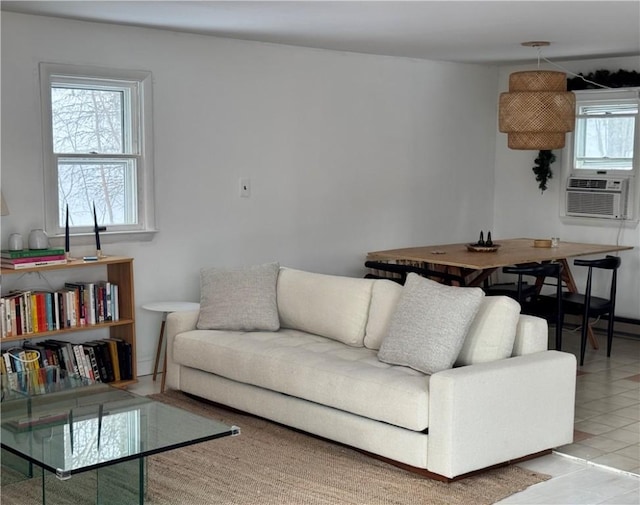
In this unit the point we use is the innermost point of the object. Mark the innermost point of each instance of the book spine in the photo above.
(26, 296)
(23, 315)
(108, 313)
(20, 266)
(91, 305)
(34, 259)
(49, 311)
(79, 355)
(102, 367)
(31, 253)
(75, 366)
(56, 311)
(14, 329)
(93, 363)
(18, 319)
(42, 312)
(116, 303)
(3, 322)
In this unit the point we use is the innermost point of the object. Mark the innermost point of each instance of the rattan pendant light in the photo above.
(537, 111)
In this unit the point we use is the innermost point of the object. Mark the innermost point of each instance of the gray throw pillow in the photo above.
(428, 328)
(241, 299)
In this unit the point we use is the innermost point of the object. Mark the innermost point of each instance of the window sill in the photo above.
(85, 239)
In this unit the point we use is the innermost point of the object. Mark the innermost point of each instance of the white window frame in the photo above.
(139, 83)
(591, 97)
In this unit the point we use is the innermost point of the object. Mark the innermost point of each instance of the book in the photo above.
(31, 264)
(125, 358)
(31, 253)
(91, 357)
(34, 259)
(81, 301)
(112, 347)
(103, 356)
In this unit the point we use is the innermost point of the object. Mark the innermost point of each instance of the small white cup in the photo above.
(555, 241)
(15, 242)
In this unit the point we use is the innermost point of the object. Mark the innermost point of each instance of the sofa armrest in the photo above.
(177, 322)
(486, 414)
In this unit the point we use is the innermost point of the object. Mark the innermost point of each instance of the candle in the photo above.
(95, 228)
(66, 232)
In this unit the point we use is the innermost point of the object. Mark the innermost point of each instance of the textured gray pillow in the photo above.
(239, 299)
(428, 327)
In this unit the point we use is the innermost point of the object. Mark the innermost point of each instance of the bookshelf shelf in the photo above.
(119, 271)
(57, 333)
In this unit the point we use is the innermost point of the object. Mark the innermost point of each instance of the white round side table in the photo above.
(166, 308)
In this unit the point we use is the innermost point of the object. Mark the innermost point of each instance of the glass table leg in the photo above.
(122, 484)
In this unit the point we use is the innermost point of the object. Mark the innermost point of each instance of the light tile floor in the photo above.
(603, 463)
(576, 482)
(607, 414)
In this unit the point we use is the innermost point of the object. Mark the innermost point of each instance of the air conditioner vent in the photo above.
(600, 198)
(578, 183)
(590, 203)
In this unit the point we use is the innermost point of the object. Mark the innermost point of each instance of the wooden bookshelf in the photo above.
(119, 271)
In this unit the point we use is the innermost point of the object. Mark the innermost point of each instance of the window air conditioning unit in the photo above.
(604, 197)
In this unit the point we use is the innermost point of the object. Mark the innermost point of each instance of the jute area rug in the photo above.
(269, 464)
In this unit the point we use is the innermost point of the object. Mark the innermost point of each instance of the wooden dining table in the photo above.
(477, 266)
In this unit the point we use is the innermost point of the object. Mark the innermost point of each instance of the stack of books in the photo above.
(29, 258)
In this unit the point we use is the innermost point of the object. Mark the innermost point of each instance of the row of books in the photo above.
(29, 258)
(77, 304)
(106, 360)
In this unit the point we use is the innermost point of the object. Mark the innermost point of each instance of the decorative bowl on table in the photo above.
(482, 248)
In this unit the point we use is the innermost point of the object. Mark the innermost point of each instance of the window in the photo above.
(97, 149)
(605, 140)
(602, 161)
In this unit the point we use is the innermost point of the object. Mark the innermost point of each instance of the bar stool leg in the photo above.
(159, 349)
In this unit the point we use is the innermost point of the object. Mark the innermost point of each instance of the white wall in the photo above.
(520, 209)
(346, 153)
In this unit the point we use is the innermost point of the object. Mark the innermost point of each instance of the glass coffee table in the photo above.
(55, 436)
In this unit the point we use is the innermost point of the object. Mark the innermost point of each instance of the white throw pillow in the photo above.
(492, 332)
(242, 299)
(429, 325)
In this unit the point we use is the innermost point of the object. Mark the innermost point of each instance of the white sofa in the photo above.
(320, 373)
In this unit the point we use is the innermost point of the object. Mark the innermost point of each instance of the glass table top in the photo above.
(89, 427)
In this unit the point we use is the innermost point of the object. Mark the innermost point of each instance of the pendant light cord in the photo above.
(540, 44)
(570, 72)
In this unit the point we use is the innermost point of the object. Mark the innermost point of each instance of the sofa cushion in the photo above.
(429, 325)
(531, 335)
(384, 298)
(239, 299)
(332, 306)
(314, 368)
(492, 331)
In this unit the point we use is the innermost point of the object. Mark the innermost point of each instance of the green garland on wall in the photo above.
(542, 168)
(619, 79)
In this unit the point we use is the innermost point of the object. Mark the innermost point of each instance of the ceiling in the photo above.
(476, 31)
